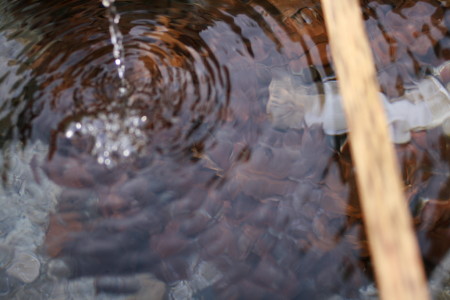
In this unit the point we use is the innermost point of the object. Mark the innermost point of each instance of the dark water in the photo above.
(192, 166)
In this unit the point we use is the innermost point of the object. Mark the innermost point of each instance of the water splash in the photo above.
(117, 41)
(172, 97)
(117, 137)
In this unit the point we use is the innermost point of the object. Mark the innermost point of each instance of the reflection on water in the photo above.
(221, 175)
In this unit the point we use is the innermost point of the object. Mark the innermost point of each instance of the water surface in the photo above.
(224, 170)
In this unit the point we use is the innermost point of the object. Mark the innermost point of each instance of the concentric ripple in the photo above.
(176, 95)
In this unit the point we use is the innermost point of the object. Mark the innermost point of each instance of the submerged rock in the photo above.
(25, 267)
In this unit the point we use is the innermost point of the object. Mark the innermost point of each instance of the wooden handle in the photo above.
(395, 253)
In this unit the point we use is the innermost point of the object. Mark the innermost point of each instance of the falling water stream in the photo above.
(117, 41)
(114, 140)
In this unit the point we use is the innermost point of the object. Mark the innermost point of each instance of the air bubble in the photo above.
(107, 3)
(123, 91)
(69, 134)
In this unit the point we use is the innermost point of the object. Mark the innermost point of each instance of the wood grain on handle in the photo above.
(395, 253)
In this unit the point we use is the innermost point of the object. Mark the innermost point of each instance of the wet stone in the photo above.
(117, 285)
(205, 275)
(58, 269)
(38, 217)
(7, 219)
(150, 288)
(6, 256)
(369, 292)
(180, 290)
(25, 267)
(440, 280)
(76, 289)
(32, 292)
(5, 284)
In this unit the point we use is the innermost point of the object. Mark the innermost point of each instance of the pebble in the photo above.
(369, 292)
(205, 275)
(151, 288)
(87, 288)
(440, 280)
(5, 284)
(30, 292)
(57, 269)
(25, 267)
(181, 290)
(79, 289)
(117, 285)
(8, 216)
(336, 297)
(6, 255)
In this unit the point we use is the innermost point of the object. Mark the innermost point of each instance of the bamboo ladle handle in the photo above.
(395, 253)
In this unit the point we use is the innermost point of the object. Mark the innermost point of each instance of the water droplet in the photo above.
(107, 3)
(69, 134)
(123, 91)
